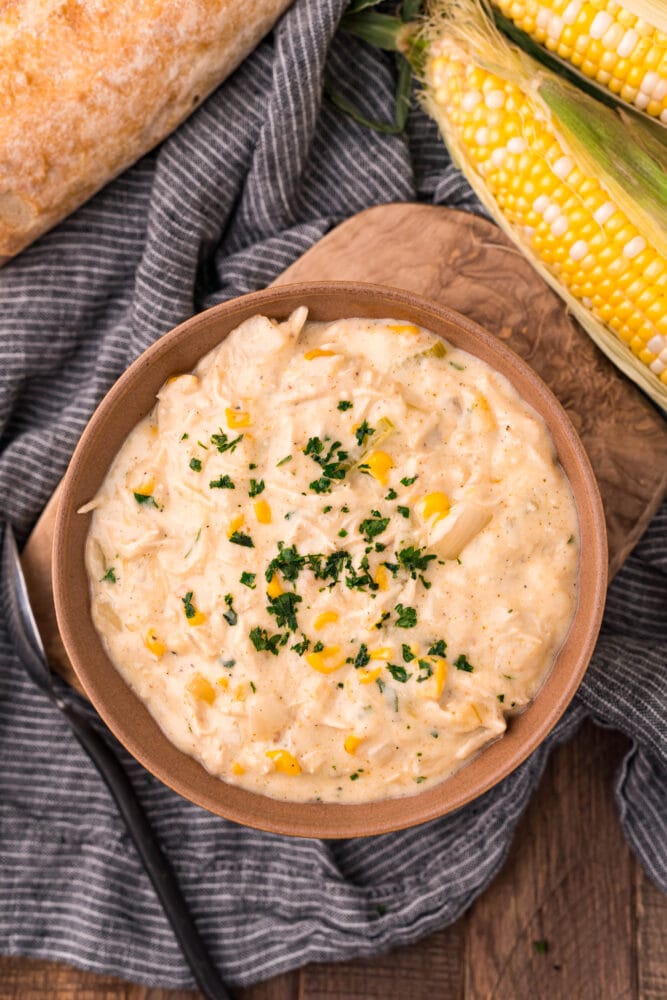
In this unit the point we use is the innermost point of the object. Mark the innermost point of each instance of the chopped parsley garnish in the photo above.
(184, 437)
(288, 561)
(284, 609)
(399, 673)
(391, 495)
(188, 606)
(438, 648)
(541, 947)
(248, 579)
(380, 683)
(362, 657)
(342, 533)
(345, 404)
(301, 647)
(425, 670)
(195, 464)
(332, 463)
(363, 432)
(383, 618)
(145, 500)
(461, 663)
(256, 487)
(325, 510)
(229, 664)
(408, 480)
(459, 368)
(373, 526)
(408, 655)
(230, 615)
(252, 687)
(238, 538)
(501, 698)
(263, 642)
(407, 617)
(287, 458)
(110, 575)
(345, 510)
(420, 779)
(318, 647)
(321, 485)
(403, 511)
(223, 483)
(414, 559)
(354, 776)
(252, 465)
(223, 443)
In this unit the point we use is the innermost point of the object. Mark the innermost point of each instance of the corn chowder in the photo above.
(335, 558)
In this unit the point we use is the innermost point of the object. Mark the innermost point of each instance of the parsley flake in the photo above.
(438, 648)
(345, 404)
(256, 487)
(399, 673)
(283, 461)
(145, 500)
(223, 443)
(110, 575)
(362, 657)
(363, 432)
(284, 609)
(408, 655)
(407, 617)
(392, 494)
(373, 526)
(408, 480)
(230, 615)
(248, 579)
(263, 642)
(188, 606)
(461, 663)
(238, 538)
(223, 483)
(195, 464)
(403, 511)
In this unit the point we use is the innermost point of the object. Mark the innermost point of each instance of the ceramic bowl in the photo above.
(133, 396)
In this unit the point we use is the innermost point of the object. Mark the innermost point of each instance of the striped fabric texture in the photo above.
(258, 174)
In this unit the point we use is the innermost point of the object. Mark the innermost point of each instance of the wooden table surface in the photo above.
(570, 884)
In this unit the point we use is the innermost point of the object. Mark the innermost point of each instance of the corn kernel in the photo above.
(200, 688)
(235, 524)
(327, 660)
(409, 328)
(318, 353)
(146, 488)
(238, 768)
(237, 418)
(284, 762)
(379, 463)
(325, 619)
(368, 676)
(274, 588)
(152, 643)
(352, 743)
(381, 653)
(262, 511)
(382, 577)
(434, 505)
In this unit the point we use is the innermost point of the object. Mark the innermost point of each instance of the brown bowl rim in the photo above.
(127, 717)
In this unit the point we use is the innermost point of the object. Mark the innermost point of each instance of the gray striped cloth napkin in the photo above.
(262, 170)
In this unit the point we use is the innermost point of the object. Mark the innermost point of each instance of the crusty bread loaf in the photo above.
(89, 86)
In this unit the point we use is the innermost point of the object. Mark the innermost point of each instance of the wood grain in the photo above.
(570, 878)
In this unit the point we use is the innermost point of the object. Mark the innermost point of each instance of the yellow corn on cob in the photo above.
(597, 246)
(613, 42)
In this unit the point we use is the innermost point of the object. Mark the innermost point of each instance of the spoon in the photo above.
(30, 650)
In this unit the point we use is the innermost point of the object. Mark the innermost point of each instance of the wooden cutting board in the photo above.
(464, 262)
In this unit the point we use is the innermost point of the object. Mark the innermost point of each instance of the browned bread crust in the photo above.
(89, 86)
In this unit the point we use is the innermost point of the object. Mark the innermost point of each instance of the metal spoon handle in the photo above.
(158, 868)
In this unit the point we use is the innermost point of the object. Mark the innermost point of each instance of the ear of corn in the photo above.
(555, 170)
(621, 45)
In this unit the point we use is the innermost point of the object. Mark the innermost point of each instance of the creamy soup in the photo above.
(334, 558)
